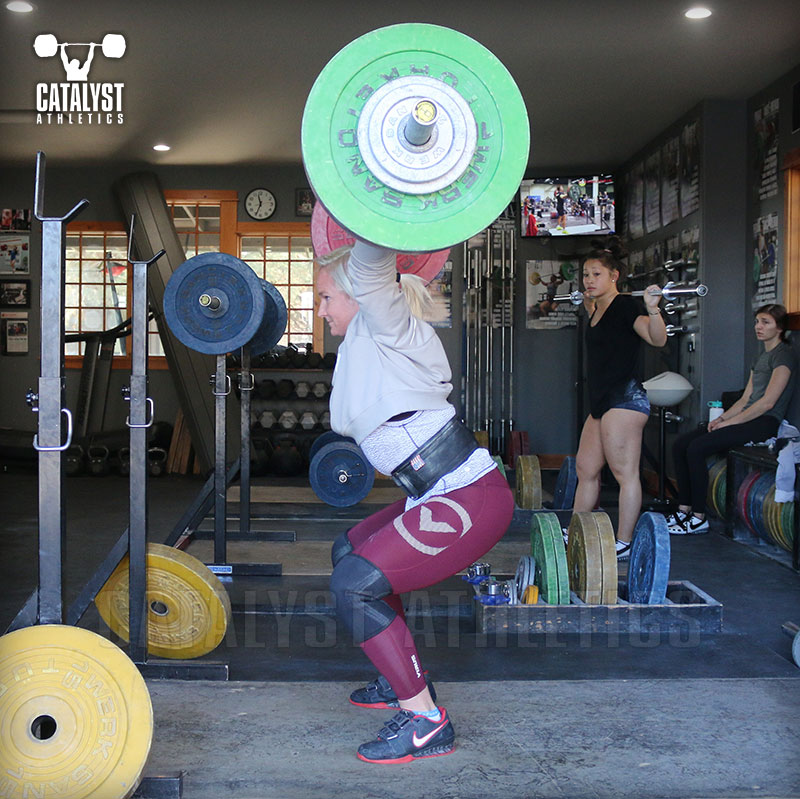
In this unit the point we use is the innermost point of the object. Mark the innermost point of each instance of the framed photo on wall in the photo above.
(14, 333)
(14, 250)
(303, 202)
(15, 293)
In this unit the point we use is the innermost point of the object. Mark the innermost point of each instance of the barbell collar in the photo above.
(207, 301)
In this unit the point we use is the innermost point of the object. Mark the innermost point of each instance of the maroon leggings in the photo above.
(421, 547)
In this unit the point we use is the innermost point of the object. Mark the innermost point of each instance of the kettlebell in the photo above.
(74, 460)
(124, 458)
(98, 460)
(156, 461)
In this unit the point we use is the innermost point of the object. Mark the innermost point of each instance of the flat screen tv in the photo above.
(578, 206)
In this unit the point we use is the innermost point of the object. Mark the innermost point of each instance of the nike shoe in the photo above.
(676, 517)
(408, 737)
(380, 696)
(694, 526)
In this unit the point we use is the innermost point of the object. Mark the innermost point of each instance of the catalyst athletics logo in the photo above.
(78, 101)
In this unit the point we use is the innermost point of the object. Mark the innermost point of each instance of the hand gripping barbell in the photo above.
(46, 45)
(669, 291)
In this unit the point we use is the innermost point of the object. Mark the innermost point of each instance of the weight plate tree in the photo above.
(340, 474)
(75, 715)
(188, 608)
(327, 235)
(648, 570)
(415, 137)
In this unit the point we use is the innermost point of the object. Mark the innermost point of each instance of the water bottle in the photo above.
(714, 410)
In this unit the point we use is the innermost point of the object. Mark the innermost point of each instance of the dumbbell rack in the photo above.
(317, 405)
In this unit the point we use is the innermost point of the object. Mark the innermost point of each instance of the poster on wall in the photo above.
(15, 219)
(765, 260)
(545, 280)
(652, 192)
(690, 169)
(14, 332)
(14, 254)
(636, 202)
(670, 180)
(765, 121)
(441, 290)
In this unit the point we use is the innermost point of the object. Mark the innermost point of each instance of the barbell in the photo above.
(668, 292)
(45, 45)
(415, 137)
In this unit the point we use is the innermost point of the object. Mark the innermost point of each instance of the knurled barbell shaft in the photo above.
(668, 291)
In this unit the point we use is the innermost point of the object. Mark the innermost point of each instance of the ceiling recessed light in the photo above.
(162, 148)
(698, 12)
(20, 6)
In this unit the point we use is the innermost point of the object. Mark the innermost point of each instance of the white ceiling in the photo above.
(225, 83)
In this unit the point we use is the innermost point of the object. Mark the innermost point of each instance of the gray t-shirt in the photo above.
(763, 366)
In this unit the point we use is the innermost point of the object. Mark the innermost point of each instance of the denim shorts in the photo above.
(630, 397)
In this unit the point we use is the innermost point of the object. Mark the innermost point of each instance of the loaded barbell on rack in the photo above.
(668, 292)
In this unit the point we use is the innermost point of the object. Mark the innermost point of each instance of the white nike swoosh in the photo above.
(425, 738)
(427, 524)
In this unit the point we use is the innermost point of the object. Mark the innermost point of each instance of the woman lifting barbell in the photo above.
(618, 405)
(755, 416)
(389, 392)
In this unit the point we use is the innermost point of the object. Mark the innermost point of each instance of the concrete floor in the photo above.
(558, 716)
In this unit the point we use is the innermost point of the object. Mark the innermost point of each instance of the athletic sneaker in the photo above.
(692, 526)
(623, 550)
(408, 737)
(379, 694)
(565, 535)
(676, 517)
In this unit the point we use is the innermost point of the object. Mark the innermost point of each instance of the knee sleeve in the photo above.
(341, 547)
(358, 587)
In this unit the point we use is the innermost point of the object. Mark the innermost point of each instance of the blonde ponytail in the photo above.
(417, 295)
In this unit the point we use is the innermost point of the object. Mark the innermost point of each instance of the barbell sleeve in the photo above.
(673, 330)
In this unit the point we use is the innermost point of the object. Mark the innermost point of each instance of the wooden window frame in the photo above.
(288, 229)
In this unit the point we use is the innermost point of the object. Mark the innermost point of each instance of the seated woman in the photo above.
(755, 416)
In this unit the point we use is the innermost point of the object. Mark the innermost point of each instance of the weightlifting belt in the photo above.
(438, 456)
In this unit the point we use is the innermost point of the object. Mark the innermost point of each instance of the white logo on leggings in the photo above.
(428, 525)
